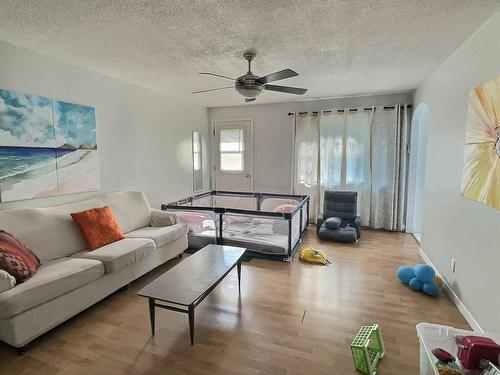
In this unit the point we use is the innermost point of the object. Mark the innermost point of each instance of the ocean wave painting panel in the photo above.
(75, 130)
(47, 147)
(27, 172)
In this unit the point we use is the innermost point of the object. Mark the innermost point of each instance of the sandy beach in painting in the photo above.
(77, 170)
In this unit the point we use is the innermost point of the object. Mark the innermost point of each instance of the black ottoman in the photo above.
(343, 234)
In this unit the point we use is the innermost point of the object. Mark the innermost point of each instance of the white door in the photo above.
(233, 156)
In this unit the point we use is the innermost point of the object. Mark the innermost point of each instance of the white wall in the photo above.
(273, 133)
(454, 226)
(144, 136)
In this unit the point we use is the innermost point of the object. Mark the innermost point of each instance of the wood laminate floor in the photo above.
(291, 318)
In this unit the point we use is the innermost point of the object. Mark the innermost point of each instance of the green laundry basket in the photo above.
(367, 349)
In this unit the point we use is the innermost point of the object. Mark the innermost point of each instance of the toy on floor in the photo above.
(311, 255)
(420, 277)
(446, 363)
(367, 349)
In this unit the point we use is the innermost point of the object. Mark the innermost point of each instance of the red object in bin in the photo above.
(472, 349)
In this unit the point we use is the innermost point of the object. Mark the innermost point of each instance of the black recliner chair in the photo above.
(339, 221)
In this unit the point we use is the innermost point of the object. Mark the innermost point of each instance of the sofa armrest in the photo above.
(161, 218)
(319, 222)
(7, 281)
(357, 223)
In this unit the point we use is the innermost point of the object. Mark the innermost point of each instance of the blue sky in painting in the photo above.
(25, 120)
(75, 124)
(28, 120)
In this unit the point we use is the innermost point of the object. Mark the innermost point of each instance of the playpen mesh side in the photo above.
(206, 201)
(201, 224)
(273, 204)
(262, 233)
(296, 228)
(259, 233)
(239, 202)
(304, 217)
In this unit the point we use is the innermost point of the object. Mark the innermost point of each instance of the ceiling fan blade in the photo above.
(248, 100)
(276, 76)
(287, 89)
(217, 75)
(219, 88)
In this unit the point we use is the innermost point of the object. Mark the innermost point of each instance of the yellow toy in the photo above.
(311, 255)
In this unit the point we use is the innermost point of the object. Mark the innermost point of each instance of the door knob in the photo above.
(248, 175)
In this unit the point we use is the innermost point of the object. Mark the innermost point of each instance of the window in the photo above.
(197, 162)
(196, 151)
(231, 150)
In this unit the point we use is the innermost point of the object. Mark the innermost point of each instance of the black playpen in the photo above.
(266, 224)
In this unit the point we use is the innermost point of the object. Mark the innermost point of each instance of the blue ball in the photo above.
(405, 274)
(430, 289)
(415, 284)
(424, 273)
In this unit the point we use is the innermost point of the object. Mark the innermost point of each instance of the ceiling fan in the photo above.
(250, 86)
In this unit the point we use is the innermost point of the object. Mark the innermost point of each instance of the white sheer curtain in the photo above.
(357, 149)
(332, 153)
(345, 154)
(389, 140)
(306, 159)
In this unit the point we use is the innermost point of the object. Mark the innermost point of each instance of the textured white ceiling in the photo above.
(339, 47)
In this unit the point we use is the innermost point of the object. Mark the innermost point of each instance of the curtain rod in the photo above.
(350, 110)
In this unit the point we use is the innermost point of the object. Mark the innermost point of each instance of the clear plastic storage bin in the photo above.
(437, 336)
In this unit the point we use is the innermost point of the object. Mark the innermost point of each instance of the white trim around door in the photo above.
(232, 165)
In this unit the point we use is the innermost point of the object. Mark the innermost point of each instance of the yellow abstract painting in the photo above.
(481, 176)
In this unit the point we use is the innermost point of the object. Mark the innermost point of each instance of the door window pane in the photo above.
(231, 150)
(231, 161)
(231, 140)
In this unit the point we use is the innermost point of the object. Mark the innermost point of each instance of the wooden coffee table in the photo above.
(185, 285)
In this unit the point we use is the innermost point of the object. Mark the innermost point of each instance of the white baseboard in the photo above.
(458, 303)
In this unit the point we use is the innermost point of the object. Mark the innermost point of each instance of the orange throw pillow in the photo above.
(98, 227)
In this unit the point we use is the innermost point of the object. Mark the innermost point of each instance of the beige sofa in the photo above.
(72, 278)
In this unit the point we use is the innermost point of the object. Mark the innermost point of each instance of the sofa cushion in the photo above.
(160, 235)
(131, 209)
(119, 254)
(51, 232)
(52, 279)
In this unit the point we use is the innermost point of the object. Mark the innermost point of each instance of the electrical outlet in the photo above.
(453, 265)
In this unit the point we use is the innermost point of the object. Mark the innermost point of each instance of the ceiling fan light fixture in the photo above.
(250, 86)
(249, 90)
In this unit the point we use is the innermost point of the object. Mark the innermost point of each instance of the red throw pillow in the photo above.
(98, 227)
(10, 245)
(14, 266)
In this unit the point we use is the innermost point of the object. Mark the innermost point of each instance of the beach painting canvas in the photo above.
(47, 147)
(77, 161)
(481, 174)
